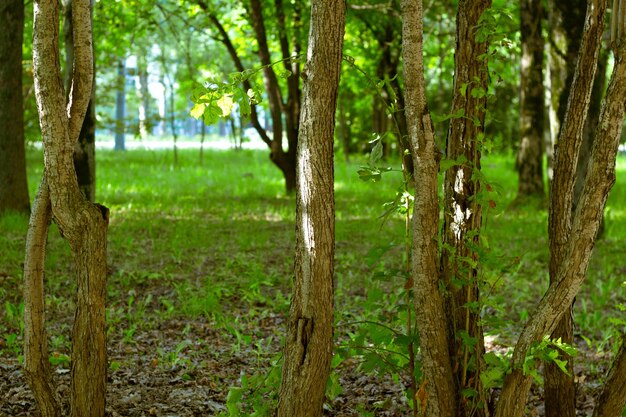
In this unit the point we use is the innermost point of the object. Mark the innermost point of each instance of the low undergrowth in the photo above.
(200, 267)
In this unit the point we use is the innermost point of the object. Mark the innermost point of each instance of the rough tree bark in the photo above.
(612, 399)
(582, 229)
(560, 392)
(85, 149)
(430, 317)
(462, 210)
(13, 185)
(308, 345)
(530, 154)
(82, 224)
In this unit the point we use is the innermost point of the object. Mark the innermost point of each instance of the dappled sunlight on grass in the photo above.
(205, 253)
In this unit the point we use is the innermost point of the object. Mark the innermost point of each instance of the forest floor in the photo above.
(200, 263)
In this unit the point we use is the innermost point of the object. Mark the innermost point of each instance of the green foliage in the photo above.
(217, 99)
(179, 236)
(371, 171)
(547, 351)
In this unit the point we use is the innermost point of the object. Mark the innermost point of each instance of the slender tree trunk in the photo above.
(591, 124)
(309, 345)
(284, 160)
(120, 107)
(430, 314)
(36, 362)
(462, 211)
(82, 224)
(344, 129)
(85, 149)
(530, 154)
(576, 236)
(559, 387)
(173, 120)
(612, 399)
(144, 97)
(13, 184)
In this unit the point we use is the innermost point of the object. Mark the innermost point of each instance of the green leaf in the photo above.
(212, 114)
(197, 110)
(377, 152)
(226, 103)
(284, 73)
(232, 400)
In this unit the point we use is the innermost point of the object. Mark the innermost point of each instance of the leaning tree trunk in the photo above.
(612, 399)
(582, 229)
(13, 185)
(309, 345)
(530, 154)
(430, 319)
(462, 210)
(560, 395)
(82, 224)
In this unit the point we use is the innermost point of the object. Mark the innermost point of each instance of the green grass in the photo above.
(214, 243)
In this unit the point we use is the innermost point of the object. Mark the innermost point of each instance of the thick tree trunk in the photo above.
(13, 185)
(309, 345)
(430, 318)
(530, 154)
(462, 211)
(83, 224)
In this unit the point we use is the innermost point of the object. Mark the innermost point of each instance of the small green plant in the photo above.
(546, 351)
(257, 396)
(14, 316)
(174, 358)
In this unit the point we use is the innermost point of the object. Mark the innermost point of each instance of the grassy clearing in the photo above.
(201, 260)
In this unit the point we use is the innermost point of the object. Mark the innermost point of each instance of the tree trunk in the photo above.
(82, 224)
(462, 211)
(530, 154)
(36, 362)
(560, 395)
(85, 149)
(13, 184)
(309, 345)
(120, 107)
(284, 160)
(345, 135)
(576, 236)
(145, 122)
(591, 124)
(438, 382)
(612, 399)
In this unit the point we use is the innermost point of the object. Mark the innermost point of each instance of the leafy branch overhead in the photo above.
(219, 99)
